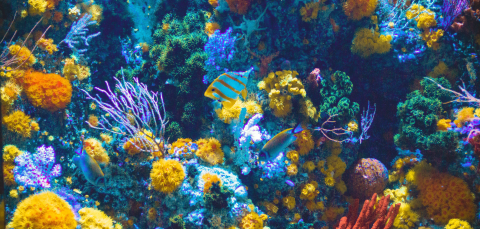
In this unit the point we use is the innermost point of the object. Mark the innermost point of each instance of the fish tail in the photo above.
(298, 128)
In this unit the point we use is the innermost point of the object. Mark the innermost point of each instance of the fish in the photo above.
(228, 86)
(279, 142)
(90, 168)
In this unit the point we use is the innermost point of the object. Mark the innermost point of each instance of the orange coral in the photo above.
(357, 9)
(48, 91)
(22, 54)
(18, 122)
(179, 143)
(209, 150)
(167, 175)
(57, 16)
(210, 28)
(93, 120)
(213, 3)
(209, 179)
(239, 6)
(47, 45)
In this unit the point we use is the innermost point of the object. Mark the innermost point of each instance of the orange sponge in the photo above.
(357, 9)
(48, 91)
(43, 210)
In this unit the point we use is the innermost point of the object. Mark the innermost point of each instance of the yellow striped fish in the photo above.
(228, 86)
(277, 144)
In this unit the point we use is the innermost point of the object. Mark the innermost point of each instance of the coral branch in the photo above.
(379, 217)
(78, 32)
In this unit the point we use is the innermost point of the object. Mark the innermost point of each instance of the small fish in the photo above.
(90, 168)
(228, 86)
(290, 183)
(278, 143)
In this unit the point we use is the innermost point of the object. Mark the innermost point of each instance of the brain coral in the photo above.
(369, 176)
(167, 175)
(43, 210)
(48, 91)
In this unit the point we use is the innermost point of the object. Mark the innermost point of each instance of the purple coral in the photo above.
(37, 170)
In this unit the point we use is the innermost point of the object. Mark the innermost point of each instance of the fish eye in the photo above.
(213, 89)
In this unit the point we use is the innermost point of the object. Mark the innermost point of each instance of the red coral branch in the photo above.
(265, 61)
(379, 217)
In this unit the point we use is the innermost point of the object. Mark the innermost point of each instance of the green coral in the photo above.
(178, 52)
(177, 222)
(173, 131)
(335, 92)
(419, 115)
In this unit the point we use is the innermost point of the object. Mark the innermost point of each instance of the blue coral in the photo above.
(220, 49)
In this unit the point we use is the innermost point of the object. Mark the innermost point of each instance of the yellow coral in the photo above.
(228, 114)
(107, 138)
(352, 126)
(10, 152)
(209, 179)
(358, 9)
(458, 224)
(91, 218)
(37, 7)
(331, 213)
(368, 42)
(252, 221)
(179, 144)
(309, 166)
(292, 170)
(144, 141)
(315, 206)
(308, 110)
(210, 150)
(304, 142)
(444, 124)
(431, 37)
(329, 181)
(289, 202)
(309, 192)
(10, 91)
(47, 45)
(341, 187)
(73, 71)
(22, 54)
(43, 210)
(464, 115)
(18, 122)
(96, 11)
(95, 149)
(211, 27)
(406, 218)
(293, 156)
(397, 195)
(167, 175)
(280, 87)
(310, 11)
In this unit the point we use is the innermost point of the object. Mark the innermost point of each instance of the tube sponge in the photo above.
(48, 91)
(94, 219)
(167, 175)
(43, 210)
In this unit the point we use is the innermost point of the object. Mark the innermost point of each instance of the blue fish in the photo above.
(278, 143)
(90, 168)
(227, 87)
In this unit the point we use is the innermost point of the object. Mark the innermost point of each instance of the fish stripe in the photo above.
(219, 87)
(234, 84)
(235, 79)
(229, 87)
(222, 96)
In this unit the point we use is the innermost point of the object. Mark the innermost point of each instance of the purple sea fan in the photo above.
(37, 170)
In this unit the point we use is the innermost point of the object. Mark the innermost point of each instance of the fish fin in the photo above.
(298, 128)
(244, 93)
(76, 161)
(228, 104)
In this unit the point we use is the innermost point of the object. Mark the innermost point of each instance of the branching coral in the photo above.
(48, 91)
(167, 175)
(43, 210)
(209, 150)
(280, 87)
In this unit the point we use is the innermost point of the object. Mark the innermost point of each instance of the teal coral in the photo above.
(335, 92)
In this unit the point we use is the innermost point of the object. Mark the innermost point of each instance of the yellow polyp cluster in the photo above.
(93, 120)
(310, 10)
(333, 167)
(358, 9)
(315, 206)
(272, 209)
(107, 138)
(97, 13)
(167, 175)
(293, 156)
(18, 122)
(431, 37)
(332, 213)
(91, 218)
(22, 54)
(47, 45)
(425, 17)
(43, 210)
(143, 141)
(228, 114)
(458, 224)
(398, 173)
(309, 166)
(209, 179)
(210, 150)
(37, 7)
(444, 124)
(292, 170)
(308, 110)
(280, 87)
(211, 27)
(73, 71)
(406, 217)
(368, 42)
(289, 202)
(464, 115)
(304, 142)
(309, 192)
(95, 149)
(253, 221)
(180, 144)
(10, 152)
(10, 91)
(352, 126)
